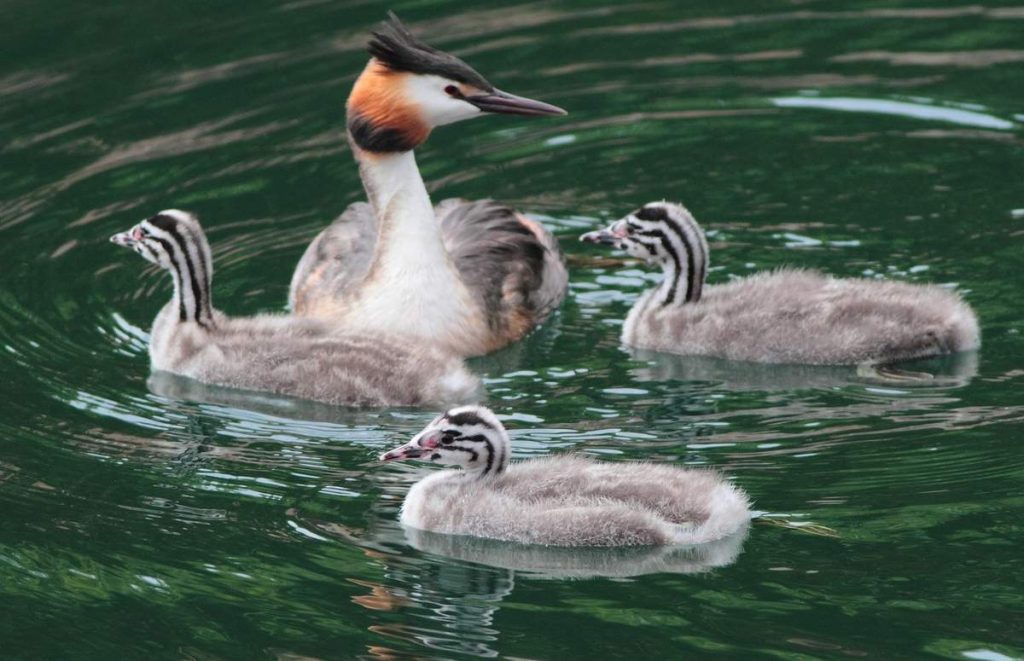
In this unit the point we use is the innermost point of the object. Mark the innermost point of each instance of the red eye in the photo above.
(137, 234)
(453, 91)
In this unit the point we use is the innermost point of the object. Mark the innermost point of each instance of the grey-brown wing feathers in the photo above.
(336, 261)
(511, 263)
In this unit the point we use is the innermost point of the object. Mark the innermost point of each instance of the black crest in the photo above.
(399, 50)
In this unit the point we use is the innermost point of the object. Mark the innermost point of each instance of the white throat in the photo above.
(412, 287)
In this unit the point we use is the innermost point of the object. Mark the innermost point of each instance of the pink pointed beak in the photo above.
(414, 449)
(610, 235)
(128, 238)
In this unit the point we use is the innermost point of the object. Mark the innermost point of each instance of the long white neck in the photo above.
(408, 235)
(413, 285)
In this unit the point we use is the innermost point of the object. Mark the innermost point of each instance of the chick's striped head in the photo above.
(666, 234)
(174, 240)
(468, 436)
(169, 237)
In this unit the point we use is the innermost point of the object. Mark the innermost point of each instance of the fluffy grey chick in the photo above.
(298, 357)
(782, 316)
(558, 501)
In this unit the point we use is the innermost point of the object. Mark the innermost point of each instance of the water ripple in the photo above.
(225, 524)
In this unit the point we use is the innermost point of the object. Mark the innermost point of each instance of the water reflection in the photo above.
(723, 22)
(918, 110)
(174, 387)
(452, 593)
(557, 563)
(967, 59)
(955, 370)
(455, 605)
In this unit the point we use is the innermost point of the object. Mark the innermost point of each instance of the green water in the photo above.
(157, 521)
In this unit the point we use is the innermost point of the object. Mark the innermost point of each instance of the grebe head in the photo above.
(657, 232)
(665, 234)
(467, 436)
(408, 88)
(169, 237)
(174, 240)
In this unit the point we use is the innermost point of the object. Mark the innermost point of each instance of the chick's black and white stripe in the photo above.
(187, 255)
(471, 433)
(467, 419)
(494, 459)
(680, 238)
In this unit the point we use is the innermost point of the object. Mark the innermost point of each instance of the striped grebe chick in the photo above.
(562, 500)
(783, 316)
(468, 276)
(303, 358)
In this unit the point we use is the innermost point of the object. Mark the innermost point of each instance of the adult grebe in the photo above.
(467, 276)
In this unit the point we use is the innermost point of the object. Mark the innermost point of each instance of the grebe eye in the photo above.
(453, 91)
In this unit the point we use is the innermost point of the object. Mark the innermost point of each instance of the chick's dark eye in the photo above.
(453, 91)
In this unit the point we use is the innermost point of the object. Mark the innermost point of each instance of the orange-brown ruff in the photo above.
(379, 97)
(466, 276)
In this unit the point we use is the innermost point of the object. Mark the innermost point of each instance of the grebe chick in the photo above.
(782, 316)
(468, 276)
(561, 500)
(298, 357)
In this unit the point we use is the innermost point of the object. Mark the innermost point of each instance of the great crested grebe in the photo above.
(304, 358)
(782, 316)
(562, 500)
(468, 276)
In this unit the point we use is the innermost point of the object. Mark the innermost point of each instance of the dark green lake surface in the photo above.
(875, 139)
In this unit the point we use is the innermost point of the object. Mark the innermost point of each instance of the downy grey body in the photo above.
(559, 501)
(303, 358)
(783, 316)
(467, 276)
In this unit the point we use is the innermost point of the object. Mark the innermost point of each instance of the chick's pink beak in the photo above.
(128, 238)
(414, 449)
(610, 235)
